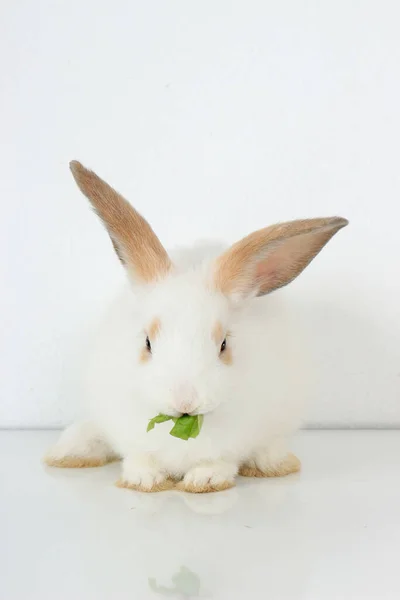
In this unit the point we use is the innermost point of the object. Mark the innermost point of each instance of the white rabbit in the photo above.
(191, 334)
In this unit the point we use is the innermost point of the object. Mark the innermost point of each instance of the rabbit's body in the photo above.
(262, 391)
(191, 336)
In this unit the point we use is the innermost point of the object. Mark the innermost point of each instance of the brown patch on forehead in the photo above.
(218, 333)
(154, 328)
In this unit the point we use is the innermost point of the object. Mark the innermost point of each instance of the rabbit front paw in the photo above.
(209, 477)
(142, 473)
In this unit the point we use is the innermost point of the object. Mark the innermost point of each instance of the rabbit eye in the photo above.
(148, 344)
(223, 346)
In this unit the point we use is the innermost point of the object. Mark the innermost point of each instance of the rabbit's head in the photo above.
(186, 317)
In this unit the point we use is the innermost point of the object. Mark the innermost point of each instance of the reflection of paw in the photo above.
(214, 504)
(262, 466)
(141, 475)
(213, 477)
(147, 484)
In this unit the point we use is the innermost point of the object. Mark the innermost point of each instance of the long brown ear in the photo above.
(272, 257)
(135, 243)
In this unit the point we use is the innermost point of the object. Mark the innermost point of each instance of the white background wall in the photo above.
(215, 118)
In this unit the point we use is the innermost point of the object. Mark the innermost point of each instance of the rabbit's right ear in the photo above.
(135, 243)
(272, 257)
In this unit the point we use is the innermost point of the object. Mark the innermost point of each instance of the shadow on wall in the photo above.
(357, 366)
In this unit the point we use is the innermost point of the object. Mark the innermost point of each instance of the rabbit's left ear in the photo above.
(272, 257)
(134, 241)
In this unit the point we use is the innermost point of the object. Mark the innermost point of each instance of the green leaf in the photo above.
(182, 427)
(185, 427)
(157, 419)
(197, 425)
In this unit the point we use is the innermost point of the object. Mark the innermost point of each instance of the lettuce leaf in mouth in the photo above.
(185, 427)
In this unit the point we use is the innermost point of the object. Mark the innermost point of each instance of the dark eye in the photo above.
(148, 345)
(223, 345)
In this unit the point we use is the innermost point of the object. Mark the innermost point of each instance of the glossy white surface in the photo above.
(332, 532)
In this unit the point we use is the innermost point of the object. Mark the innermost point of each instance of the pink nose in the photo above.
(185, 398)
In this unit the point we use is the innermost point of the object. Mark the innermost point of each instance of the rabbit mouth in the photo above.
(192, 413)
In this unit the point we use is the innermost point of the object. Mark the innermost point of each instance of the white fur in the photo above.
(250, 407)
